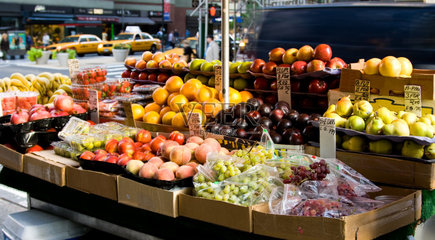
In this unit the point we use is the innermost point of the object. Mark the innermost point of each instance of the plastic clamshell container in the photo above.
(34, 224)
(25, 100)
(9, 102)
(75, 126)
(88, 142)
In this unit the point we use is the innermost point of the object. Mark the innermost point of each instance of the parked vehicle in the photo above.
(138, 42)
(82, 44)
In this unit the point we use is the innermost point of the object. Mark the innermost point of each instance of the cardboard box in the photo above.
(216, 212)
(11, 158)
(394, 171)
(391, 102)
(136, 194)
(45, 169)
(98, 183)
(387, 85)
(368, 225)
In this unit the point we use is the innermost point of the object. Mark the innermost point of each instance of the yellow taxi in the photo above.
(138, 42)
(190, 41)
(83, 43)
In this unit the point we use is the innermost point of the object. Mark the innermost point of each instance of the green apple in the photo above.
(216, 62)
(234, 66)
(206, 67)
(244, 67)
(344, 107)
(362, 109)
(356, 123)
(355, 143)
(231, 82)
(386, 115)
(195, 65)
(381, 146)
(211, 82)
(188, 76)
(421, 129)
(429, 151)
(202, 79)
(240, 84)
(409, 118)
(412, 149)
(375, 126)
(339, 121)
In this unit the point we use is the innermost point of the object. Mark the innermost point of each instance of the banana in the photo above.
(2, 85)
(59, 92)
(21, 78)
(45, 100)
(49, 93)
(7, 83)
(30, 77)
(17, 83)
(65, 80)
(14, 88)
(40, 88)
(66, 88)
(47, 75)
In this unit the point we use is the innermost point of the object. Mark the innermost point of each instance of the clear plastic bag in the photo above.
(75, 126)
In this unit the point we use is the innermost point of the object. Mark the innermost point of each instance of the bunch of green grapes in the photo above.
(254, 156)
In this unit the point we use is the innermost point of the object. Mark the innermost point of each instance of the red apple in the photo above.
(305, 53)
(323, 52)
(143, 136)
(299, 67)
(317, 86)
(336, 63)
(123, 159)
(139, 156)
(111, 146)
(274, 85)
(261, 83)
(126, 74)
(285, 65)
(134, 75)
(275, 55)
(269, 68)
(126, 147)
(257, 65)
(111, 159)
(100, 155)
(87, 155)
(143, 76)
(289, 56)
(152, 77)
(295, 86)
(315, 65)
(177, 137)
(162, 77)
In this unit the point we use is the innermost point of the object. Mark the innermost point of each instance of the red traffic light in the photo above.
(212, 11)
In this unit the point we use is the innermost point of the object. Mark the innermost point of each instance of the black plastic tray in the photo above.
(186, 182)
(110, 168)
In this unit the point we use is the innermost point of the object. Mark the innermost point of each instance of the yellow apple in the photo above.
(390, 67)
(371, 67)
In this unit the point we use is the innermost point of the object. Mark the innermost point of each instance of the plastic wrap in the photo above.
(75, 126)
(9, 102)
(25, 100)
(90, 75)
(88, 142)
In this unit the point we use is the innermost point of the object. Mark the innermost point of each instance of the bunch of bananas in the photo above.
(48, 85)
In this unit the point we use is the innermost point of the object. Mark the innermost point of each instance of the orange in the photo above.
(203, 94)
(160, 95)
(168, 101)
(138, 111)
(211, 107)
(152, 107)
(191, 105)
(406, 69)
(167, 117)
(195, 82)
(371, 67)
(215, 93)
(203, 117)
(174, 83)
(246, 96)
(179, 120)
(177, 102)
(189, 90)
(390, 67)
(151, 117)
(234, 96)
(164, 110)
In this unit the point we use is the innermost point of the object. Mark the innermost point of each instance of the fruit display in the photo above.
(388, 67)
(115, 87)
(46, 85)
(248, 120)
(90, 75)
(383, 131)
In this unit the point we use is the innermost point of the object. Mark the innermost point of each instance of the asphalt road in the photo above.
(6, 69)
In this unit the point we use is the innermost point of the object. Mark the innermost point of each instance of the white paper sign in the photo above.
(362, 90)
(73, 67)
(218, 78)
(327, 137)
(413, 99)
(284, 87)
(195, 127)
(93, 106)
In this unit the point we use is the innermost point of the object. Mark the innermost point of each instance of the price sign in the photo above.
(362, 90)
(93, 106)
(73, 67)
(218, 78)
(327, 137)
(284, 87)
(129, 120)
(413, 99)
(195, 128)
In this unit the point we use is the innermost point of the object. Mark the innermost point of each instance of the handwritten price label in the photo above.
(218, 78)
(195, 128)
(284, 87)
(413, 99)
(93, 106)
(362, 90)
(327, 137)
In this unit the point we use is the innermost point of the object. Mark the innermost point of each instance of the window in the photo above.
(83, 39)
(146, 36)
(137, 37)
(92, 39)
(124, 37)
(69, 39)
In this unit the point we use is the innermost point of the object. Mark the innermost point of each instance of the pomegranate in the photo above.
(21, 116)
(57, 113)
(41, 114)
(77, 109)
(63, 103)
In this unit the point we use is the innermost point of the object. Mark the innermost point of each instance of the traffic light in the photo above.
(214, 11)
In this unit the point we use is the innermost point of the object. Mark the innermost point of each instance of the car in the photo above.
(82, 44)
(191, 42)
(138, 42)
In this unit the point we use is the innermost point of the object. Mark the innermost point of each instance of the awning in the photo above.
(137, 20)
(98, 18)
(50, 17)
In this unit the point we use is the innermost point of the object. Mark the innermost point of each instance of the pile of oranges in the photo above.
(173, 102)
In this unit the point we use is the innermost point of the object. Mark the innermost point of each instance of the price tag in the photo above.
(73, 67)
(129, 120)
(218, 78)
(413, 99)
(284, 87)
(195, 128)
(327, 137)
(362, 90)
(93, 106)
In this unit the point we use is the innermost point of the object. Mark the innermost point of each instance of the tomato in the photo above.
(99, 79)
(92, 74)
(85, 77)
(105, 88)
(104, 72)
(177, 136)
(112, 88)
(143, 136)
(35, 148)
(98, 72)
(92, 81)
(86, 82)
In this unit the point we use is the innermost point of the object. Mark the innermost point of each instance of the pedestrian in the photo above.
(187, 33)
(171, 39)
(45, 40)
(29, 41)
(104, 36)
(212, 52)
(4, 45)
(160, 33)
(176, 35)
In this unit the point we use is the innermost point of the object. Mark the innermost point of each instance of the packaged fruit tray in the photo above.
(186, 182)
(101, 166)
(325, 73)
(90, 75)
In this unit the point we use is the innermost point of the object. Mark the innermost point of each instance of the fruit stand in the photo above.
(161, 146)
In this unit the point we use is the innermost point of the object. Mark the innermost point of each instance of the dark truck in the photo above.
(354, 30)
